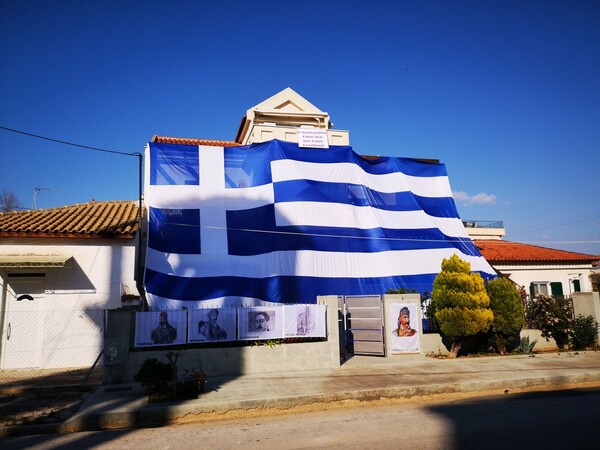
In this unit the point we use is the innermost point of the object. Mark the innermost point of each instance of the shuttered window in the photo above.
(556, 289)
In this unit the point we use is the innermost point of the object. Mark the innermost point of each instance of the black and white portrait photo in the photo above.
(154, 328)
(260, 322)
(303, 320)
(212, 325)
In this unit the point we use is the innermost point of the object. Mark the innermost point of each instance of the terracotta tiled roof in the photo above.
(94, 219)
(498, 251)
(193, 141)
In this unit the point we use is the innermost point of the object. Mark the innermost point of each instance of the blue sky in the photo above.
(506, 94)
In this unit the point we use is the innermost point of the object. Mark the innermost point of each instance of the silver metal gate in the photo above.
(363, 323)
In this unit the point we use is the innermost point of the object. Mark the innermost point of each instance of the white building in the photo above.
(540, 270)
(60, 268)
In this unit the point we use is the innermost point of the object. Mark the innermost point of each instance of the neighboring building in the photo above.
(280, 117)
(60, 268)
(540, 270)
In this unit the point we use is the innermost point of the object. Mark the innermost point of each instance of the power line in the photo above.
(60, 141)
(558, 223)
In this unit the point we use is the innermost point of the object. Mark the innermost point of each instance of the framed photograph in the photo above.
(159, 328)
(305, 320)
(212, 325)
(260, 322)
(406, 333)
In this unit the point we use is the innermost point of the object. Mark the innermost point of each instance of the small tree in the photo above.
(461, 302)
(9, 201)
(509, 314)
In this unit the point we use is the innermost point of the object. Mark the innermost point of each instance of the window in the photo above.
(538, 288)
(554, 288)
(541, 288)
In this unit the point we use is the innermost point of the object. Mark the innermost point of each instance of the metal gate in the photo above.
(363, 324)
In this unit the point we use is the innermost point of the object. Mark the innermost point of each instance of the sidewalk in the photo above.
(360, 379)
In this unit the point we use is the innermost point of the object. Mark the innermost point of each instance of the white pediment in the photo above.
(287, 100)
(279, 116)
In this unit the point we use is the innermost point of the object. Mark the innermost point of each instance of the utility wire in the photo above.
(137, 154)
(105, 150)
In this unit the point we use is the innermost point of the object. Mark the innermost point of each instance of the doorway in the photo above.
(22, 336)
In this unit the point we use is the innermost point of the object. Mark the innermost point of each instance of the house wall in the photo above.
(565, 274)
(66, 326)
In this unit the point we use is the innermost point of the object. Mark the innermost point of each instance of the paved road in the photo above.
(556, 419)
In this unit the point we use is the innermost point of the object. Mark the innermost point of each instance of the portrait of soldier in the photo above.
(164, 333)
(210, 328)
(404, 329)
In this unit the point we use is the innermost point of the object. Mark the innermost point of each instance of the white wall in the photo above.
(71, 309)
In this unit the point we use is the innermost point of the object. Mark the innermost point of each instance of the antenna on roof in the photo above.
(38, 189)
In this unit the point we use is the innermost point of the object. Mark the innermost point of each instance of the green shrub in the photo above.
(191, 384)
(509, 314)
(553, 317)
(584, 333)
(402, 291)
(155, 376)
(461, 302)
(161, 383)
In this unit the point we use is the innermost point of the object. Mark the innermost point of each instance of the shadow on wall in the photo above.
(70, 279)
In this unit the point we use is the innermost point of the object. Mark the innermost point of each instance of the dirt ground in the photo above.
(44, 396)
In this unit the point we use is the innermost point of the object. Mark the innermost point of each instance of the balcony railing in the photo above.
(483, 224)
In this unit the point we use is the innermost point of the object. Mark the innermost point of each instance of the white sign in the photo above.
(311, 138)
(304, 320)
(405, 336)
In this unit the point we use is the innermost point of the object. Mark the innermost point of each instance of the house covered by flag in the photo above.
(289, 211)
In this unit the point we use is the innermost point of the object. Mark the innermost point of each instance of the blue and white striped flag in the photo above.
(277, 223)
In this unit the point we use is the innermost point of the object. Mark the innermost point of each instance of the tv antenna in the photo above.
(39, 189)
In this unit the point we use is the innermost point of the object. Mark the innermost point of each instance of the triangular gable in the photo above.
(287, 100)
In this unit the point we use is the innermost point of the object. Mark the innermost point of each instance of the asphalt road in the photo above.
(568, 419)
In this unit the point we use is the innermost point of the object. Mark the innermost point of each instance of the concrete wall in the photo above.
(122, 361)
(543, 344)
(64, 325)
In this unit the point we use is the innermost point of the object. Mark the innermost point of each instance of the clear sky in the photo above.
(506, 94)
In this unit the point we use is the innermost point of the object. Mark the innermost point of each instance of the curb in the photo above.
(162, 415)
(143, 415)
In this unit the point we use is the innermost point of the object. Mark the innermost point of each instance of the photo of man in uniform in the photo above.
(210, 328)
(164, 333)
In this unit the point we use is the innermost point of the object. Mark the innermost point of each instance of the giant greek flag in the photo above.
(273, 222)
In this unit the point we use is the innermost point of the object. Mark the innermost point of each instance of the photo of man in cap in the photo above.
(404, 329)
(164, 333)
